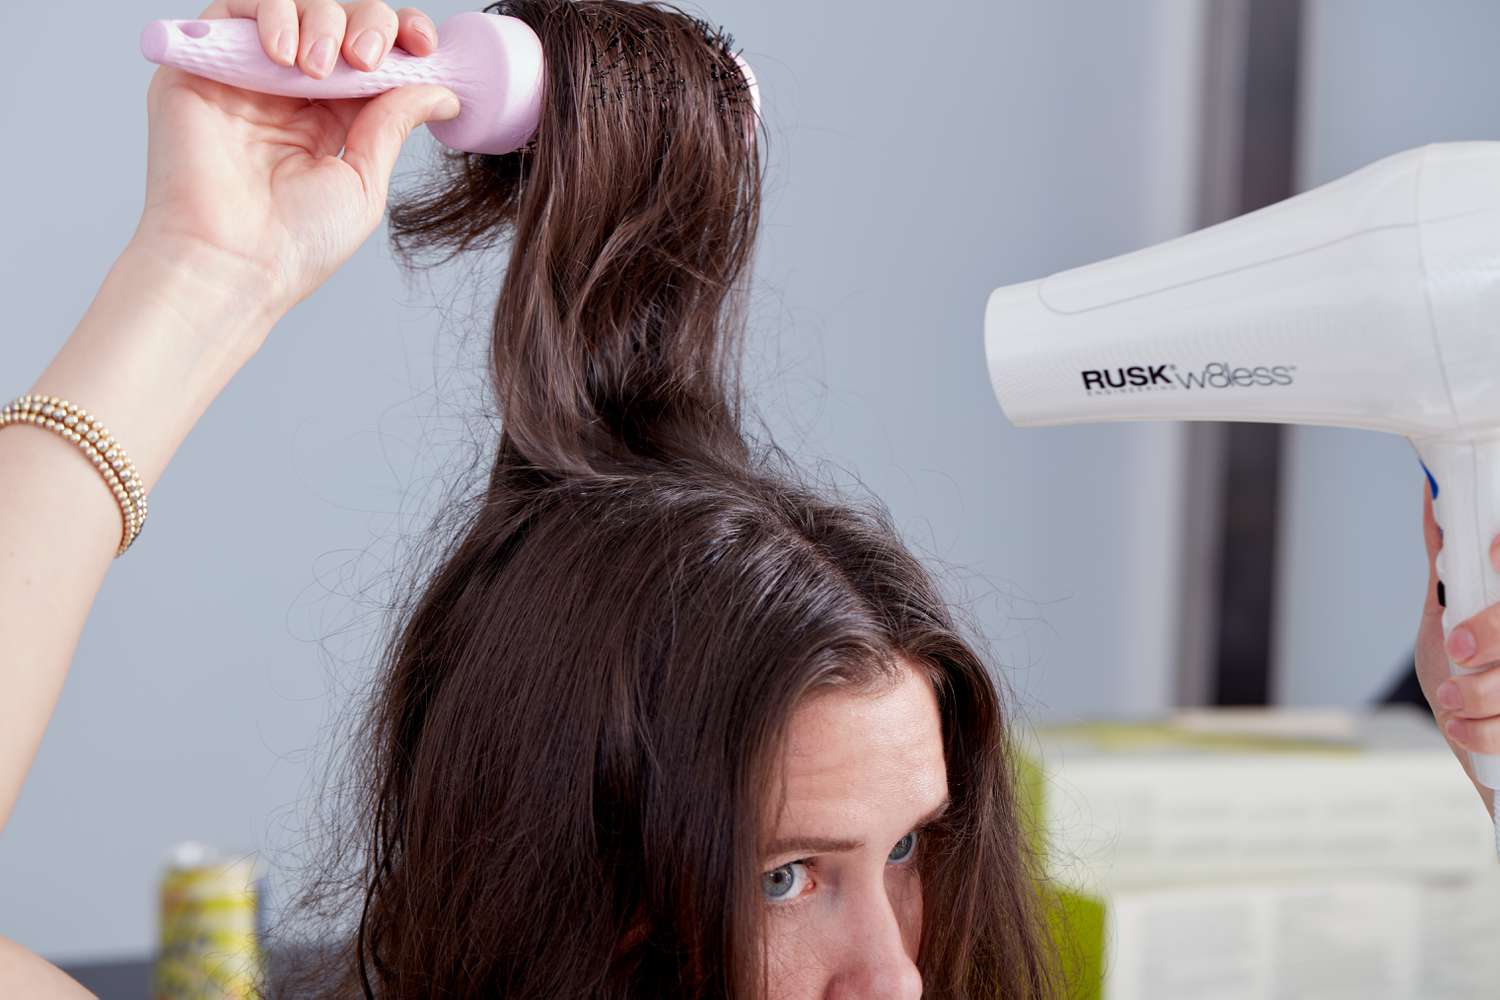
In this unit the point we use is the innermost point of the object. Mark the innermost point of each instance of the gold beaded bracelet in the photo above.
(78, 426)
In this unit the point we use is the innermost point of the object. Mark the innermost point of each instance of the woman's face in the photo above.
(861, 775)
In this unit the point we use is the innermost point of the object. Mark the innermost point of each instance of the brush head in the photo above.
(750, 83)
(494, 64)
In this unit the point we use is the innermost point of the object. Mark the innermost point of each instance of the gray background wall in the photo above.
(1380, 76)
(919, 157)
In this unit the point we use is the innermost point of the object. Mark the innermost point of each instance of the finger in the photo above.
(1471, 696)
(275, 20)
(370, 34)
(322, 35)
(377, 132)
(417, 34)
(1475, 735)
(1477, 640)
(228, 95)
(1473, 641)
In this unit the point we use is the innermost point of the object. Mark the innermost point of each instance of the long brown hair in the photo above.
(563, 770)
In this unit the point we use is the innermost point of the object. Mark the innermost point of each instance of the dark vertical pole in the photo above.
(1252, 452)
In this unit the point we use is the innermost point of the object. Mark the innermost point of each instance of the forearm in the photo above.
(160, 340)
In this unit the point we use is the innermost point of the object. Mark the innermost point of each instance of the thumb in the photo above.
(375, 136)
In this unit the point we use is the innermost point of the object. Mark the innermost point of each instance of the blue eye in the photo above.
(905, 848)
(785, 883)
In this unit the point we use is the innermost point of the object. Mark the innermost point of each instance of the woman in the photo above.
(663, 723)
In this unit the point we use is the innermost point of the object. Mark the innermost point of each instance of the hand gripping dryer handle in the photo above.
(1465, 485)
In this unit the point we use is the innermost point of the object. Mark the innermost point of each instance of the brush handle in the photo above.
(229, 50)
(1464, 477)
(492, 63)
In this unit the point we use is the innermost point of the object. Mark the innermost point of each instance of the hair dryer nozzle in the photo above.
(1368, 302)
(1334, 307)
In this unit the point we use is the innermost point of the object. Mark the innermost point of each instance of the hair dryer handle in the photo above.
(229, 50)
(1465, 483)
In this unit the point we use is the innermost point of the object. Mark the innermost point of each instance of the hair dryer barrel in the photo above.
(1319, 309)
(1369, 302)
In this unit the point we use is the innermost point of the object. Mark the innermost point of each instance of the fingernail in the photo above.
(285, 47)
(322, 55)
(1451, 727)
(448, 108)
(1449, 696)
(1460, 644)
(368, 45)
(424, 27)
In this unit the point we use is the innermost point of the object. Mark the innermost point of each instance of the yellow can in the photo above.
(211, 909)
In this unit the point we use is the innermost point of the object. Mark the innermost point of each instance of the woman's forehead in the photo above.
(855, 759)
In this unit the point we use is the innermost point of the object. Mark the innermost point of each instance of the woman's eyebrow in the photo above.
(797, 844)
(812, 845)
(934, 814)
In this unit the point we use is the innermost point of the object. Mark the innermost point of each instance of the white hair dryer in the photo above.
(1372, 301)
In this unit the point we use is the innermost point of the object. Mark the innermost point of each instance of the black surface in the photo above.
(130, 978)
(115, 980)
(1247, 564)
(1252, 483)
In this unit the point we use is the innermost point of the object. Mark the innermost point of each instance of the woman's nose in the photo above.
(875, 964)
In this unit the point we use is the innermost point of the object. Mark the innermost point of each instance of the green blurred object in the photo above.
(211, 914)
(1076, 922)
(1260, 854)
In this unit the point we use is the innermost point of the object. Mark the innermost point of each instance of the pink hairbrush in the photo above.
(492, 62)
